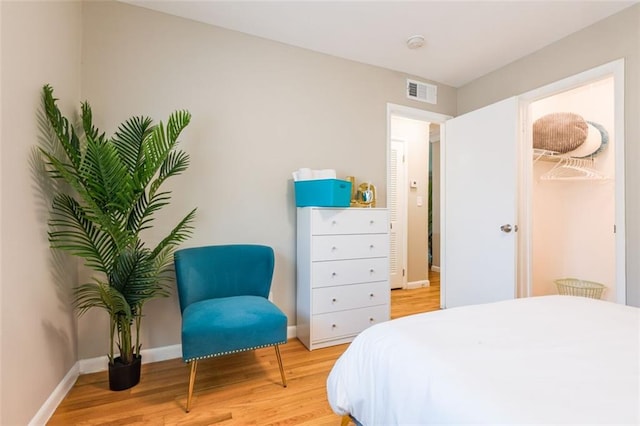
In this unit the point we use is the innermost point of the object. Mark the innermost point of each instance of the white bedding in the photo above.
(538, 360)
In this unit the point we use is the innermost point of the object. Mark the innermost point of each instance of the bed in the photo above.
(537, 360)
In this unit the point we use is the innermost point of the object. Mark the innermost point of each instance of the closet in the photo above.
(573, 192)
(515, 218)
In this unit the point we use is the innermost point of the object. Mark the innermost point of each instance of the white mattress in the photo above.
(538, 360)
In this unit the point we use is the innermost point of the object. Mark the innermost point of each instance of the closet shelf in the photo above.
(567, 167)
(546, 155)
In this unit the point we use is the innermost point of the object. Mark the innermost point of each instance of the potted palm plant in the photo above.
(113, 191)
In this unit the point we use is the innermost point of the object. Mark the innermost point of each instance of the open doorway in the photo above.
(413, 176)
(584, 235)
(434, 197)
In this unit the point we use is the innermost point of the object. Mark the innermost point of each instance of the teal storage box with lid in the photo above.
(323, 193)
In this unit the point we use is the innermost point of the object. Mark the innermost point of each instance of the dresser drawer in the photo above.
(335, 325)
(349, 221)
(352, 271)
(336, 247)
(341, 298)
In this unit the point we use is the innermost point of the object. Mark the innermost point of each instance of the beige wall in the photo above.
(260, 109)
(613, 38)
(40, 44)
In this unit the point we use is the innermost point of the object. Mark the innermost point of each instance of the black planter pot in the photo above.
(124, 376)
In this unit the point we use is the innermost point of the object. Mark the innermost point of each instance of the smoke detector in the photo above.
(415, 41)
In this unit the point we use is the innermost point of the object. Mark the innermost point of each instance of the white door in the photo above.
(480, 205)
(397, 214)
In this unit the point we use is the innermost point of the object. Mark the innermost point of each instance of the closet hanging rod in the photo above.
(574, 169)
(546, 155)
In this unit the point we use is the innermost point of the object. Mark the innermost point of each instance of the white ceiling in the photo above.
(464, 39)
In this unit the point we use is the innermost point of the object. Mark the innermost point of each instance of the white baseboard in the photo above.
(435, 268)
(49, 407)
(162, 353)
(418, 284)
(94, 365)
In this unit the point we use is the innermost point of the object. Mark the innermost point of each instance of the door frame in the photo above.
(613, 69)
(421, 115)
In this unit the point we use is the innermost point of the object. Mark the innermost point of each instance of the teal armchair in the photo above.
(223, 292)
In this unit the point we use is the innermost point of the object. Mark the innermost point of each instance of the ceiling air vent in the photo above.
(422, 91)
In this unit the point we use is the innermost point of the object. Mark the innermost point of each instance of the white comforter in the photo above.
(538, 360)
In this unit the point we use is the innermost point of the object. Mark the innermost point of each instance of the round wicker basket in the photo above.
(577, 287)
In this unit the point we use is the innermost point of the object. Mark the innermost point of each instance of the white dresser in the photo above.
(342, 273)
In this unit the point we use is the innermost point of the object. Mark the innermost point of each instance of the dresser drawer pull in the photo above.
(371, 246)
(334, 248)
(334, 300)
(371, 320)
(371, 270)
(333, 274)
(333, 326)
(371, 294)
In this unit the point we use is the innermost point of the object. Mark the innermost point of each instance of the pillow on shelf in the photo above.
(597, 140)
(559, 132)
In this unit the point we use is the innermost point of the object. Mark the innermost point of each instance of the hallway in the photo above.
(425, 299)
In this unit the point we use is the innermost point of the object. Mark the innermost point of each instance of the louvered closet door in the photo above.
(397, 212)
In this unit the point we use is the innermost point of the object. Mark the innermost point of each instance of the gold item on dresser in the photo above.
(366, 195)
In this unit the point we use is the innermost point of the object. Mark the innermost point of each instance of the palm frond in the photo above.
(156, 149)
(59, 169)
(90, 131)
(135, 275)
(159, 200)
(161, 141)
(137, 212)
(129, 139)
(142, 213)
(164, 265)
(175, 163)
(178, 234)
(72, 231)
(99, 294)
(107, 179)
(64, 131)
(92, 210)
(176, 124)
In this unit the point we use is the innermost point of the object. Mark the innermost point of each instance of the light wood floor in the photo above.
(240, 389)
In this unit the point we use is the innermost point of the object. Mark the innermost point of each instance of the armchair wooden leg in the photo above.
(192, 380)
(284, 379)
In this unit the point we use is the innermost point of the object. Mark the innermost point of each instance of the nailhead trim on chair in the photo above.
(233, 352)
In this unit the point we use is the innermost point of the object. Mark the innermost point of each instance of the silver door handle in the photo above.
(506, 228)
